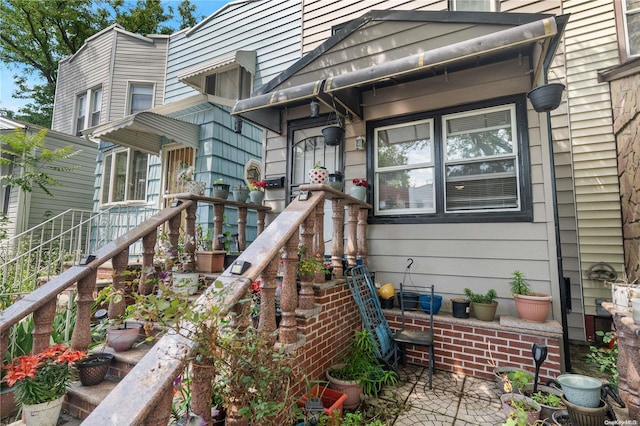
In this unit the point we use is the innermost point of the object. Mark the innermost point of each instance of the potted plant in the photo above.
(460, 307)
(185, 178)
(256, 191)
(359, 188)
(318, 175)
(41, 381)
(550, 400)
(531, 306)
(483, 306)
(331, 402)
(220, 189)
(546, 97)
(514, 399)
(336, 181)
(240, 193)
(207, 259)
(94, 368)
(622, 291)
(333, 134)
(121, 334)
(360, 371)
(307, 267)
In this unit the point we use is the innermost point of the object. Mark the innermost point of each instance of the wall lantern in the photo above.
(546, 97)
(315, 108)
(360, 140)
(237, 124)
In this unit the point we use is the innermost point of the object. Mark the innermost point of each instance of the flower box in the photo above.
(332, 400)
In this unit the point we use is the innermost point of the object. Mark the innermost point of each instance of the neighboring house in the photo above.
(28, 209)
(483, 213)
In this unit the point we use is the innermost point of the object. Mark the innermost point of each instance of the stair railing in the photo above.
(148, 386)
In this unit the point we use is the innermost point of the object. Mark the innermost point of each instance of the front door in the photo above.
(177, 159)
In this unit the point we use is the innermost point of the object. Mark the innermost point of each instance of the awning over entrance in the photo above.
(344, 92)
(145, 131)
(244, 58)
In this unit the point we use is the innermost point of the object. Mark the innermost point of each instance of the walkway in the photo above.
(455, 399)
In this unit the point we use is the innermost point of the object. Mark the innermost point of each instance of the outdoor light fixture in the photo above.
(237, 124)
(314, 408)
(222, 239)
(315, 108)
(539, 353)
(360, 140)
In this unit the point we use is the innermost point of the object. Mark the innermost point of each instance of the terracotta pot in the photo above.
(505, 399)
(332, 400)
(533, 308)
(351, 388)
(210, 261)
(122, 338)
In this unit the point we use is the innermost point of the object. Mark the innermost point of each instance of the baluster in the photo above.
(148, 274)
(268, 287)
(4, 343)
(318, 240)
(81, 337)
(190, 238)
(260, 220)
(362, 235)
(218, 217)
(242, 228)
(174, 236)
(119, 263)
(160, 413)
(43, 326)
(288, 293)
(306, 285)
(337, 245)
(352, 231)
(201, 390)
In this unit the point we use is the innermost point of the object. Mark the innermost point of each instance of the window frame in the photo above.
(524, 214)
(240, 83)
(130, 153)
(494, 6)
(130, 88)
(625, 28)
(88, 113)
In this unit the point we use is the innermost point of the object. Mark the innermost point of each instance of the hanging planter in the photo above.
(333, 135)
(546, 97)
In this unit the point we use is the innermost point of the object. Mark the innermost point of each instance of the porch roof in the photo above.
(146, 131)
(244, 58)
(342, 91)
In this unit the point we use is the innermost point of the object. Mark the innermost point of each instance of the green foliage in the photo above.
(518, 379)
(606, 358)
(480, 298)
(362, 365)
(36, 35)
(519, 285)
(308, 266)
(547, 398)
(31, 161)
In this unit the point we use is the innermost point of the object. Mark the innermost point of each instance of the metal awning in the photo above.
(344, 92)
(146, 131)
(244, 58)
(265, 109)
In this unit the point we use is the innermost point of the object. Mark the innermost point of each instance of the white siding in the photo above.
(270, 27)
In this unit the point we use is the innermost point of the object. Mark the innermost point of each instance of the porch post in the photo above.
(43, 326)
(81, 337)
(337, 245)
(289, 293)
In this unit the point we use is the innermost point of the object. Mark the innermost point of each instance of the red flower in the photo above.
(360, 182)
(71, 356)
(258, 184)
(255, 287)
(21, 368)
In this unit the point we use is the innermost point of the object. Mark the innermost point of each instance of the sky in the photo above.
(7, 87)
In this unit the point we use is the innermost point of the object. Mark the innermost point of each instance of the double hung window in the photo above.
(451, 166)
(88, 107)
(124, 176)
(140, 97)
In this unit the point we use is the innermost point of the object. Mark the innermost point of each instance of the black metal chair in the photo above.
(406, 336)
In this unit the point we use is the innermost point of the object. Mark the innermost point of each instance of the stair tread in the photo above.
(93, 394)
(132, 356)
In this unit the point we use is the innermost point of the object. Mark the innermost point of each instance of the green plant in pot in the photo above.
(531, 306)
(360, 371)
(308, 267)
(220, 189)
(483, 305)
(515, 400)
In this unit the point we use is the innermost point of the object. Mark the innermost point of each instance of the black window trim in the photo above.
(526, 198)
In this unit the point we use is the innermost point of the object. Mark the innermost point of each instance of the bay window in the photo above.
(124, 176)
(452, 165)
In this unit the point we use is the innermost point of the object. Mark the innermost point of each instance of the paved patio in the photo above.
(455, 399)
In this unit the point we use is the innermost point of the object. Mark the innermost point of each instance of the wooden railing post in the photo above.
(43, 326)
(190, 238)
(362, 235)
(218, 218)
(268, 297)
(337, 243)
(318, 240)
(81, 337)
(119, 262)
(289, 292)
(352, 232)
(307, 296)
(242, 228)
(148, 273)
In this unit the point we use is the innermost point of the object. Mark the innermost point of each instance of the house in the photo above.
(562, 226)
(25, 210)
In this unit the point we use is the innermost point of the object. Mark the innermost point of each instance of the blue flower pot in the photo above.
(425, 302)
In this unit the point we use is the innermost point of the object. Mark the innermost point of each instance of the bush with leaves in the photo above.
(607, 357)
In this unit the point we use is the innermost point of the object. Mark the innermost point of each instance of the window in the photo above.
(631, 11)
(452, 165)
(124, 176)
(475, 5)
(307, 149)
(235, 83)
(140, 97)
(83, 120)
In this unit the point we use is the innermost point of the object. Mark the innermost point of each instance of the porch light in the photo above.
(360, 143)
(539, 353)
(237, 124)
(315, 108)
